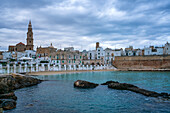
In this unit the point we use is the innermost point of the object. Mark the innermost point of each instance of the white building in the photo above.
(157, 51)
(153, 51)
(118, 52)
(20, 55)
(7, 55)
(166, 50)
(138, 52)
(109, 55)
(30, 53)
(147, 51)
(100, 53)
(92, 54)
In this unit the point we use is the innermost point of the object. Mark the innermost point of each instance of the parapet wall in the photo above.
(142, 62)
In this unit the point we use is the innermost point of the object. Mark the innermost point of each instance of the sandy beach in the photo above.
(78, 71)
(64, 72)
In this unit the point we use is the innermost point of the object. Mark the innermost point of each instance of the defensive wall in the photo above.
(142, 62)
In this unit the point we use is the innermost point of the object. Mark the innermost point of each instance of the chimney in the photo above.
(97, 45)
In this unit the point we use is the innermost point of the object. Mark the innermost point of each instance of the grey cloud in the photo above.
(81, 23)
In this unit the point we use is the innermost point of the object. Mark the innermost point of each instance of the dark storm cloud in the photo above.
(114, 23)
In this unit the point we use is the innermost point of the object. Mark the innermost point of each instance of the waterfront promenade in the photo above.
(45, 68)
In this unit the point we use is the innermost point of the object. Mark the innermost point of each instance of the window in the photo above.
(80, 57)
(98, 49)
(98, 56)
(98, 53)
(63, 61)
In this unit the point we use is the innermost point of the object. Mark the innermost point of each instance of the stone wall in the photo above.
(142, 62)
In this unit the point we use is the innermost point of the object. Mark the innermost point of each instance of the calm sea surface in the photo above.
(59, 95)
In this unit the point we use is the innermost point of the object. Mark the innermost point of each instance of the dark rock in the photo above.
(8, 96)
(144, 92)
(10, 83)
(8, 80)
(1, 110)
(130, 87)
(108, 82)
(24, 81)
(84, 84)
(8, 104)
(4, 88)
(121, 86)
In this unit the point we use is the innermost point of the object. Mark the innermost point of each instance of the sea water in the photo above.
(59, 96)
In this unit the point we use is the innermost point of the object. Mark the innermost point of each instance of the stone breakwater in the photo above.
(9, 83)
(122, 86)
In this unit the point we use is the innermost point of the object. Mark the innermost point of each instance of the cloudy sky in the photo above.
(81, 23)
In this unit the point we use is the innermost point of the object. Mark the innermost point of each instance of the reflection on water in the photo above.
(59, 95)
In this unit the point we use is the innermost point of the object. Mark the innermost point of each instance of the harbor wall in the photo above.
(142, 62)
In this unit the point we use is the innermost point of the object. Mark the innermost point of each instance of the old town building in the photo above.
(45, 51)
(21, 47)
(68, 56)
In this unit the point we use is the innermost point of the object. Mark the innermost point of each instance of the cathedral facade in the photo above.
(21, 47)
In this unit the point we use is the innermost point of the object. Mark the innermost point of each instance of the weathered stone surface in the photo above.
(84, 84)
(108, 82)
(8, 96)
(130, 87)
(10, 83)
(121, 86)
(4, 88)
(1, 110)
(22, 82)
(142, 62)
(8, 104)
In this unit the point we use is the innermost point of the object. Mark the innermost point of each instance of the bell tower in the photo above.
(30, 45)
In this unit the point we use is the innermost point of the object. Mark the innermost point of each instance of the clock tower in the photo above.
(30, 39)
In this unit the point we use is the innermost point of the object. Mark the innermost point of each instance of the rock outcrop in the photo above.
(7, 104)
(108, 82)
(84, 84)
(130, 87)
(10, 83)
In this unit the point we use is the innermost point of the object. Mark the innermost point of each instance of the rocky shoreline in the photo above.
(8, 84)
(122, 86)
